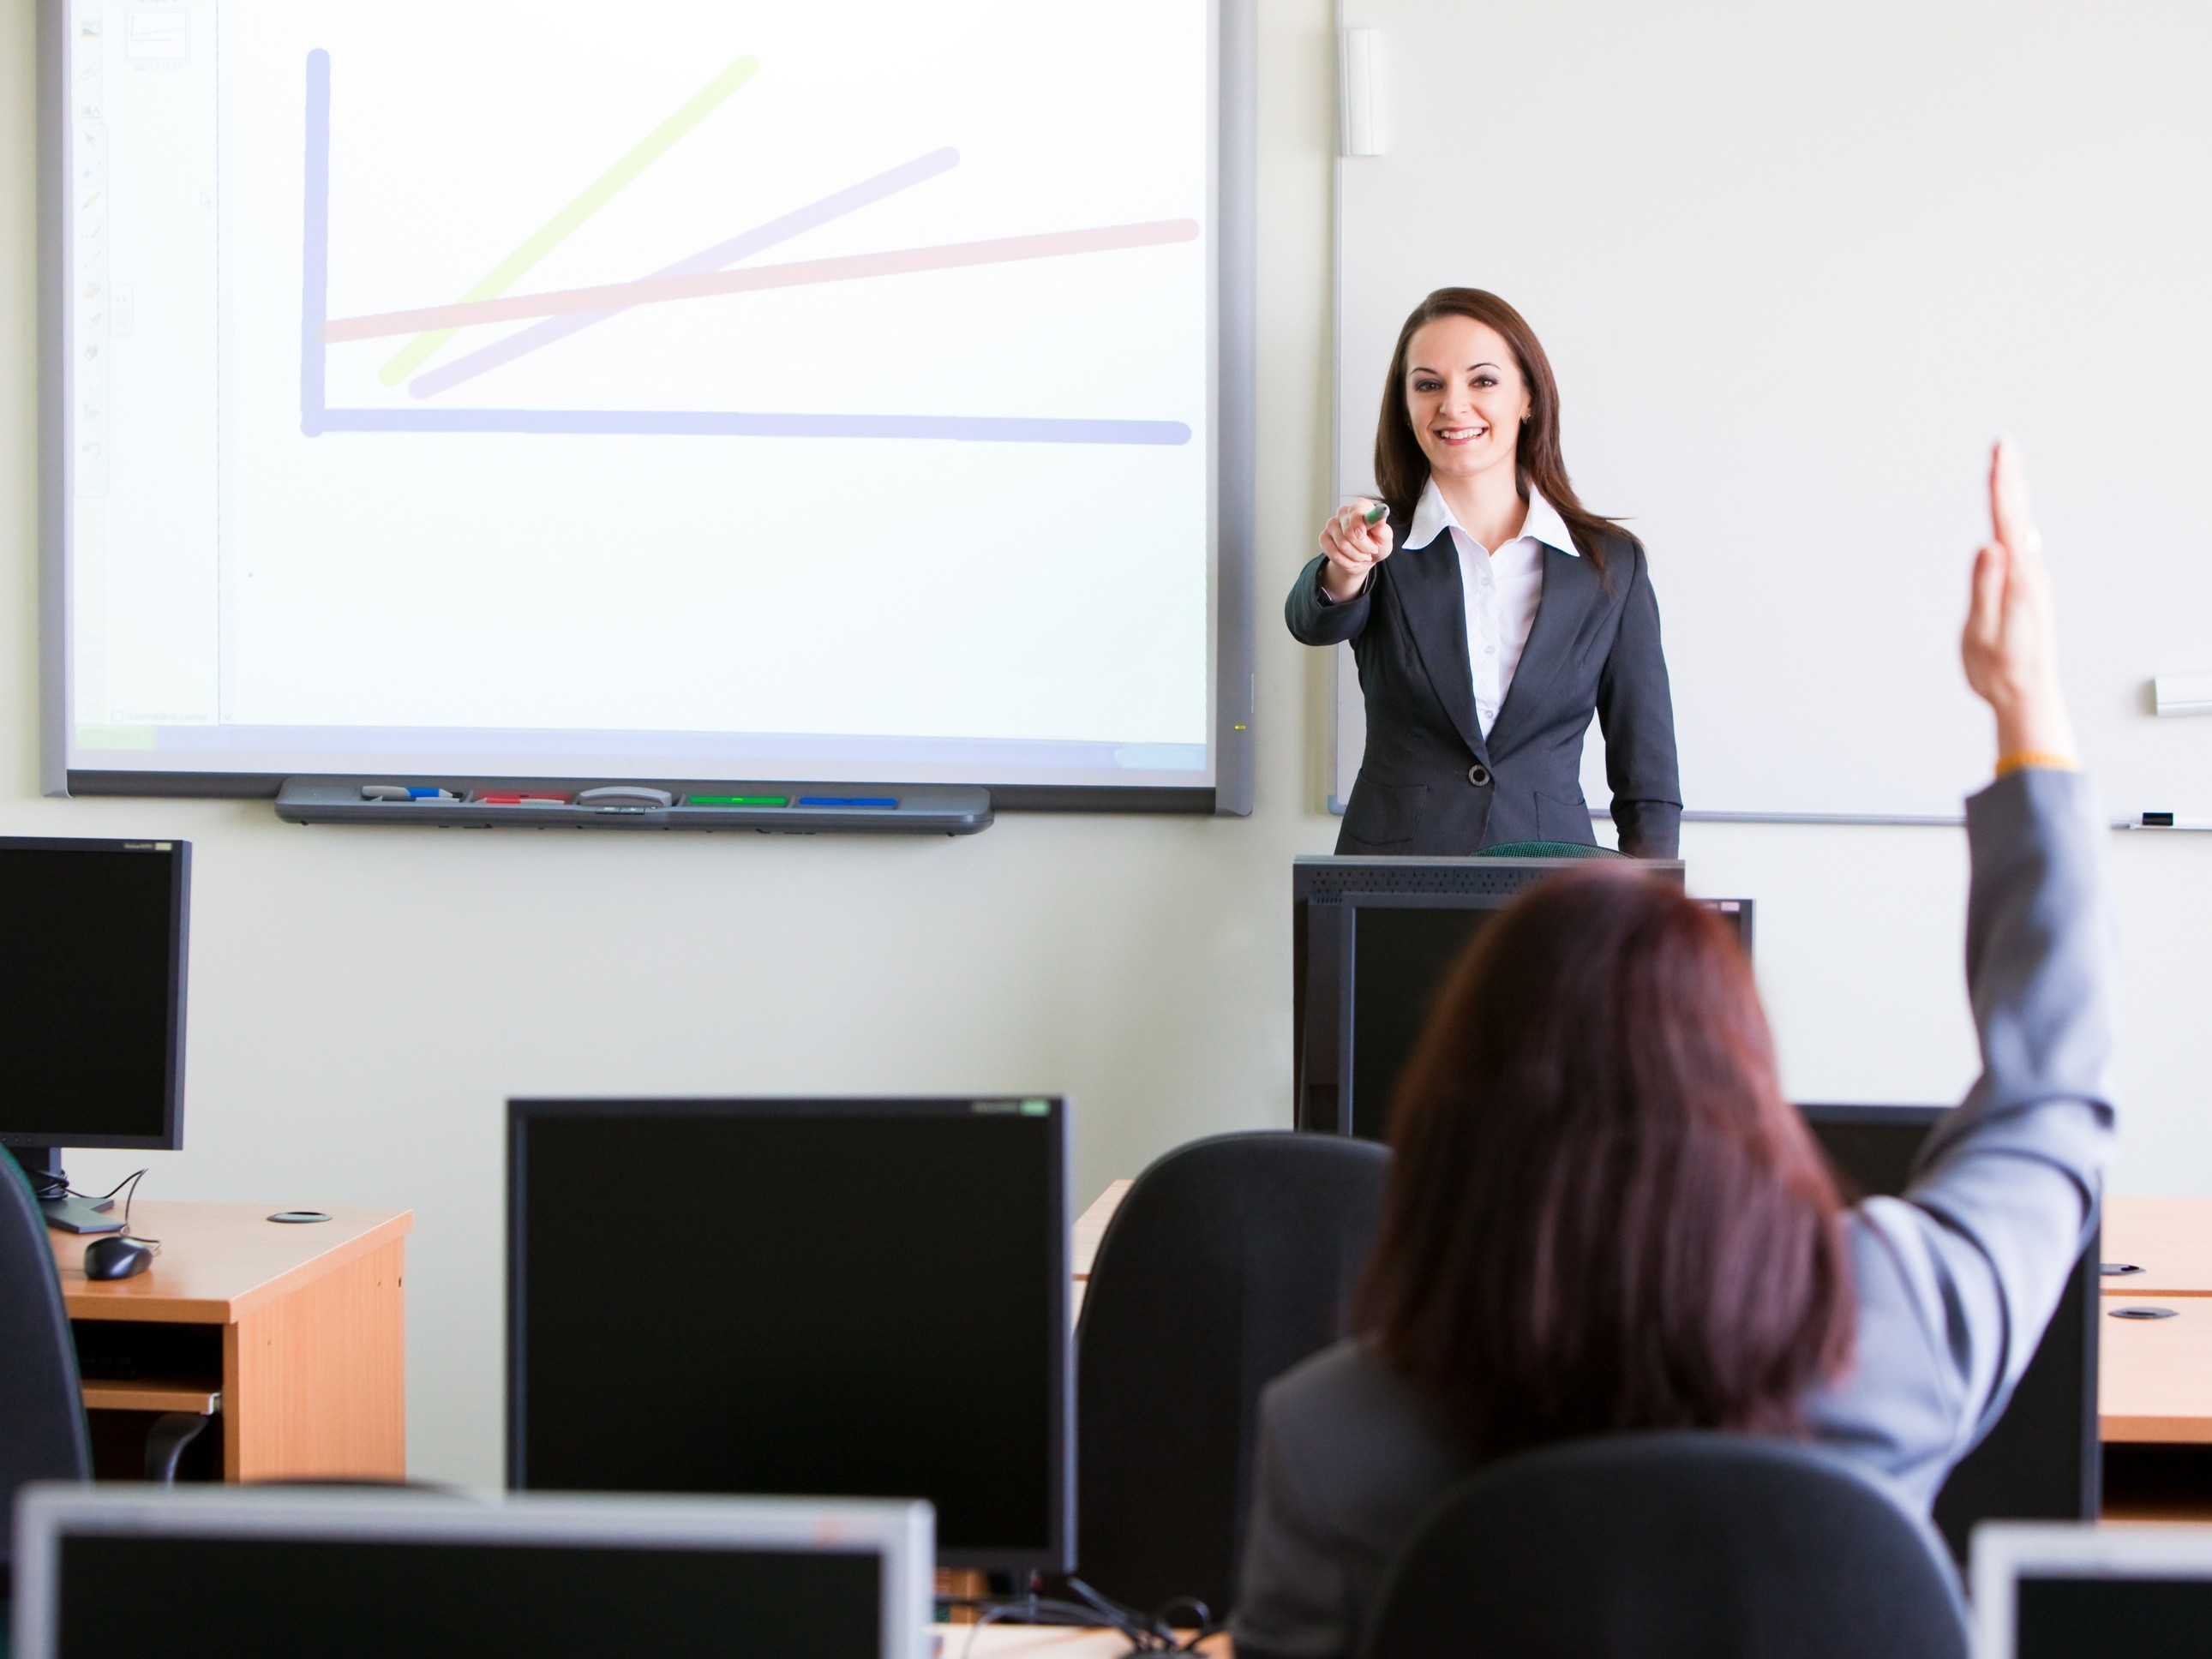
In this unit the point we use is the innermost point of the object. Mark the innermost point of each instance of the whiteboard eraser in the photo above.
(1359, 91)
(2183, 694)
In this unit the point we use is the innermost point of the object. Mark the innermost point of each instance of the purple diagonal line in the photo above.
(524, 341)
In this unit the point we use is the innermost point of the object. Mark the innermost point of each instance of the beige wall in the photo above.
(364, 1000)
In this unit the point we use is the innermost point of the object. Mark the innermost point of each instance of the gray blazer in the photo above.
(1430, 781)
(1955, 1280)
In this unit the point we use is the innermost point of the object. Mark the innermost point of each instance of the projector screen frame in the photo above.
(1233, 300)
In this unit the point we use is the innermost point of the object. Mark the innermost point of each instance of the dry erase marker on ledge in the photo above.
(2165, 821)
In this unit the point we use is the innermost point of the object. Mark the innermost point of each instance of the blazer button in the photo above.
(1478, 774)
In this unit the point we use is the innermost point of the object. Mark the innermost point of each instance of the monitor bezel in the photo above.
(900, 1532)
(178, 852)
(2006, 1552)
(1058, 1554)
(1320, 981)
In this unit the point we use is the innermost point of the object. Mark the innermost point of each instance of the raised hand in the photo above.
(2010, 647)
(1354, 547)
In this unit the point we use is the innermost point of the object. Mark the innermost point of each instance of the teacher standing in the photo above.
(1502, 619)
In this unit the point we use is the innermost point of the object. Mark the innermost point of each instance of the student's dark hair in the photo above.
(1602, 1215)
(1402, 470)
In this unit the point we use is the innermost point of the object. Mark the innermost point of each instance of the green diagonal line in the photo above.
(557, 230)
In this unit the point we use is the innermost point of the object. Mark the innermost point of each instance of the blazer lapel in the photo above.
(1572, 593)
(1434, 606)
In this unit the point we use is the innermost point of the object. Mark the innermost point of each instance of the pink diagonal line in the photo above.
(799, 273)
(743, 246)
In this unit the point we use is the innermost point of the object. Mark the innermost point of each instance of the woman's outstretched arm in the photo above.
(1957, 1279)
(1328, 601)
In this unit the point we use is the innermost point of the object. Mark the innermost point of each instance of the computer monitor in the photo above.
(118, 1572)
(2042, 1461)
(1372, 940)
(92, 1005)
(865, 1297)
(2078, 1592)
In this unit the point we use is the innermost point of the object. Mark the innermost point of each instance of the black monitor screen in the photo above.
(2093, 1618)
(2040, 1460)
(825, 1298)
(1400, 957)
(91, 991)
(141, 1597)
(1403, 948)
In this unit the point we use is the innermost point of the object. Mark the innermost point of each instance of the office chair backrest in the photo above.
(42, 1433)
(1230, 1260)
(1671, 1546)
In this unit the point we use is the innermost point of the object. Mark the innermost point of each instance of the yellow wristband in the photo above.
(2037, 757)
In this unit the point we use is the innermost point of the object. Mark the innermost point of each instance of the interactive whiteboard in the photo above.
(537, 387)
(1795, 267)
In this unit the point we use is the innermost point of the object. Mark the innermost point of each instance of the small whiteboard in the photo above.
(1795, 267)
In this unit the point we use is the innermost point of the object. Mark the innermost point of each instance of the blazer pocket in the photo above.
(1385, 814)
(1562, 820)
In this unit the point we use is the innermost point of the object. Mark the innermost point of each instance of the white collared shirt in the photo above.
(1502, 589)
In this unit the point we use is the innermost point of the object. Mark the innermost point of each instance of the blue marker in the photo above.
(419, 791)
(848, 800)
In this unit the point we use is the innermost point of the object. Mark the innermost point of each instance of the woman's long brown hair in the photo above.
(1402, 470)
(1602, 1214)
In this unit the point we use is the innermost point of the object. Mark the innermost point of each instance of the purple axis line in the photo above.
(814, 215)
(730, 423)
(316, 417)
(315, 252)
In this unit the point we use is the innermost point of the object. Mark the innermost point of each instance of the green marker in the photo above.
(737, 800)
(1375, 515)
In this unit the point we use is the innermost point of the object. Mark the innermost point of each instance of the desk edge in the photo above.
(83, 1303)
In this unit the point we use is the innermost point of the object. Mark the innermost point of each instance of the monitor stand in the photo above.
(63, 1213)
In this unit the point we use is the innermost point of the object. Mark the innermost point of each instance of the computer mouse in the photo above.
(119, 1255)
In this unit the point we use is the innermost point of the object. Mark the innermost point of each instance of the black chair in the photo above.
(1676, 1546)
(1230, 1260)
(42, 1433)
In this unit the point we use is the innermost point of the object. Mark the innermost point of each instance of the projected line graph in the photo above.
(562, 314)
(570, 219)
(758, 239)
(437, 320)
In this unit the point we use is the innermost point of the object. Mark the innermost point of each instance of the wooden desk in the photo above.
(2170, 1238)
(1091, 1227)
(2154, 1375)
(294, 1335)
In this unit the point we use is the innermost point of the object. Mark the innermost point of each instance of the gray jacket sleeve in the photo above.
(1350, 1459)
(1636, 711)
(1957, 1279)
(1294, 1602)
(1315, 621)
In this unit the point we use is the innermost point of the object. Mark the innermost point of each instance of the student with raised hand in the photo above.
(1603, 1214)
(1491, 613)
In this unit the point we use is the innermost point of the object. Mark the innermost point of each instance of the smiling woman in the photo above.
(1510, 614)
